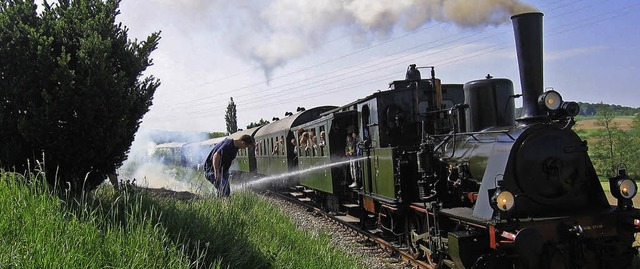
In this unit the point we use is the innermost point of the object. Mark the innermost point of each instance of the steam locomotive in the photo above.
(450, 171)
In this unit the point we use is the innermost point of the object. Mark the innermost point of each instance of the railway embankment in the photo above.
(154, 229)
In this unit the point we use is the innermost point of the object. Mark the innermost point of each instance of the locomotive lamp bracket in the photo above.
(623, 188)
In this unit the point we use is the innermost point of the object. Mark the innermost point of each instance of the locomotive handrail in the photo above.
(451, 135)
(473, 134)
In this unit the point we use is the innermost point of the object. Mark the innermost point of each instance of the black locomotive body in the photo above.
(450, 171)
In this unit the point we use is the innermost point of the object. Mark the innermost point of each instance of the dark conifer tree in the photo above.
(72, 94)
(231, 117)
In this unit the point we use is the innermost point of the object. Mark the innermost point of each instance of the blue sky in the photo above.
(272, 56)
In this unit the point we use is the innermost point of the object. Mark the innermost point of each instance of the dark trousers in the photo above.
(223, 188)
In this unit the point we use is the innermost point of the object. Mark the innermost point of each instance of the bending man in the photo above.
(216, 167)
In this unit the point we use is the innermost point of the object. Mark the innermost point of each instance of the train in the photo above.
(453, 173)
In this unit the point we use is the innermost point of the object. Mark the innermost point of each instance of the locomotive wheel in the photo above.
(413, 228)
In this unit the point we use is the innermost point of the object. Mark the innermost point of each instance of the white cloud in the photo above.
(551, 56)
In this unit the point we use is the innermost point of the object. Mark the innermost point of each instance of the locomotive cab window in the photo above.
(447, 104)
(423, 107)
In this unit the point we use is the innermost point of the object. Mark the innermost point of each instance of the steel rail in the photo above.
(384, 245)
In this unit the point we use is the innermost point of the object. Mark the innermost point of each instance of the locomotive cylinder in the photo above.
(527, 28)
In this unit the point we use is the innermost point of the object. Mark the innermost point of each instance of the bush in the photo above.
(70, 93)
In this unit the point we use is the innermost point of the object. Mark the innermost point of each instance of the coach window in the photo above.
(281, 145)
(276, 147)
(322, 142)
(316, 149)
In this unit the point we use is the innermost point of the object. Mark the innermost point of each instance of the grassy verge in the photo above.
(136, 230)
(40, 230)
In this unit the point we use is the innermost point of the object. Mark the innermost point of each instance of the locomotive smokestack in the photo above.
(527, 28)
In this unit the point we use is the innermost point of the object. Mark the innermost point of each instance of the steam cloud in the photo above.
(149, 170)
(271, 33)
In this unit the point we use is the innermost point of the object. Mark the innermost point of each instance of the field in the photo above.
(590, 123)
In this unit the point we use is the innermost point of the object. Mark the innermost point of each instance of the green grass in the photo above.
(40, 230)
(585, 134)
(135, 230)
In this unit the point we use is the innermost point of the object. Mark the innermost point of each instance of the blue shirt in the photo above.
(228, 152)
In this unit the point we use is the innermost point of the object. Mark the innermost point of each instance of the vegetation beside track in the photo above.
(134, 229)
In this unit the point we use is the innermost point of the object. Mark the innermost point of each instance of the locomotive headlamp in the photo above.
(572, 108)
(623, 188)
(550, 100)
(503, 200)
(500, 199)
(627, 188)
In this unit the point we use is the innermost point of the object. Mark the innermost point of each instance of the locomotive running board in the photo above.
(464, 214)
(348, 219)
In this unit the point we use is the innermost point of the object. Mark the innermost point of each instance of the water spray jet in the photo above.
(272, 178)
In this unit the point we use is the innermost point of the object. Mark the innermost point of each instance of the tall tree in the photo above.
(630, 146)
(71, 92)
(607, 139)
(231, 118)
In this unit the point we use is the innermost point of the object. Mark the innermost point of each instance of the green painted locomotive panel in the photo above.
(382, 172)
(320, 179)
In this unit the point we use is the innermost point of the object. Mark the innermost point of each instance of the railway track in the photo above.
(396, 256)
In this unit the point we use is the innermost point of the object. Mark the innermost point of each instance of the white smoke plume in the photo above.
(145, 168)
(273, 32)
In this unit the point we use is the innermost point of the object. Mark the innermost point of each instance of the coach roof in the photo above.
(294, 120)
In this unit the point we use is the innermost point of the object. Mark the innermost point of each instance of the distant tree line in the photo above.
(587, 109)
(217, 134)
(259, 123)
(590, 110)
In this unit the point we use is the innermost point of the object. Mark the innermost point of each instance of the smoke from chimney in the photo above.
(271, 33)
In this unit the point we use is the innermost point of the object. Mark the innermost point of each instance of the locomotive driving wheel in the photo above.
(415, 237)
